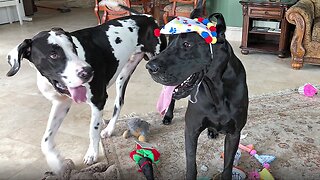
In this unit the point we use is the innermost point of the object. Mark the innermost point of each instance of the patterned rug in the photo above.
(284, 124)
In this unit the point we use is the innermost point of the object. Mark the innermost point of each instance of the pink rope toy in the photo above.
(308, 90)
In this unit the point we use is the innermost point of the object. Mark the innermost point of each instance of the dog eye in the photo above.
(186, 44)
(54, 55)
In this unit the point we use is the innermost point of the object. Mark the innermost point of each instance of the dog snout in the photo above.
(86, 73)
(153, 67)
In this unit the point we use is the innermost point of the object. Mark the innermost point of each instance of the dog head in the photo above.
(184, 62)
(54, 55)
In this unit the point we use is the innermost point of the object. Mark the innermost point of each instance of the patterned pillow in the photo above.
(316, 30)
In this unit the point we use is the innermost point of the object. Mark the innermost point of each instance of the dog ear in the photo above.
(15, 56)
(198, 11)
(58, 30)
(221, 25)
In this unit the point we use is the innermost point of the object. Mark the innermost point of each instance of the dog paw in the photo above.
(55, 162)
(91, 157)
(166, 120)
(106, 132)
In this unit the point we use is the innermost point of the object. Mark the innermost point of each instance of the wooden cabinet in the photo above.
(263, 39)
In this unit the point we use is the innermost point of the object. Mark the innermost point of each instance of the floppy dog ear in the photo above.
(15, 56)
(58, 30)
(198, 11)
(221, 25)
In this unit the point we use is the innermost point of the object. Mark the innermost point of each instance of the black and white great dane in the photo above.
(215, 79)
(80, 66)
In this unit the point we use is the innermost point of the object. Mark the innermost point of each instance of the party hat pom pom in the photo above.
(214, 40)
(214, 34)
(208, 39)
(205, 21)
(210, 24)
(156, 32)
(204, 34)
(212, 28)
(200, 19)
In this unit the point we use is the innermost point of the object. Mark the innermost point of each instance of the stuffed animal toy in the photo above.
(138, 128)
(144, 155)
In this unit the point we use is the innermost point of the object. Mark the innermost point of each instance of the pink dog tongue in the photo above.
(165, 99)
(78, 94)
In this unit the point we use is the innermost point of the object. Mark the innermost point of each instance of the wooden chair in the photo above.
(179, 8)
(144, 4)
(110, 12)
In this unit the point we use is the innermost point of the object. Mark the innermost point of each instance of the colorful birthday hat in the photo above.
(205, 28)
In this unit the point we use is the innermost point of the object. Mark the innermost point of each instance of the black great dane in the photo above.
(215, 79)
(80, 66)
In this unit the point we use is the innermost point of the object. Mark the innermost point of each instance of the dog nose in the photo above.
(86, 73)
(152, 67)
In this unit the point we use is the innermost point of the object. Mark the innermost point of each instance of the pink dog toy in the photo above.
(308, 90)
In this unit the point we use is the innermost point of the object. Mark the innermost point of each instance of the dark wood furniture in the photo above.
(265, 41)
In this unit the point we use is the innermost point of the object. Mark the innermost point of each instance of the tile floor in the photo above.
(24, 112)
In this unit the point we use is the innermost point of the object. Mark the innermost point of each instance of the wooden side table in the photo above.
(254, 39)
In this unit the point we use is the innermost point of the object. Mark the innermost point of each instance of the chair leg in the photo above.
(9, 14)
(296, 63)
(96, 12)
(19, 12)
(104, 17)
(165, 17)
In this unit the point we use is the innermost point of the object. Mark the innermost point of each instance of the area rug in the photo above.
(284, 124)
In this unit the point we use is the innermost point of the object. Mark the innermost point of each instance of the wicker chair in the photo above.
(305, 44)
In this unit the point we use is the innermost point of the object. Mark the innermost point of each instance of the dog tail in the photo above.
(116, 4)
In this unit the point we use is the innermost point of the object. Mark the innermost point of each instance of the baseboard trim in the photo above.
(234, 33)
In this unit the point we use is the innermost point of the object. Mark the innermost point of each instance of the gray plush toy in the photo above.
(138, 128)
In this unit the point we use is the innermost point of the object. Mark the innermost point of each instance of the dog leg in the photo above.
(167, 119)
(58, 112)
(60, 107)
(121, 84)
(95, 125)
(192, 132)
(231, 144)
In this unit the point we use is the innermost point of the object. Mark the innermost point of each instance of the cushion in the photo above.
(180, 7)
(316, 30)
